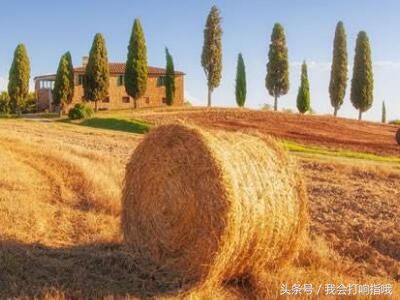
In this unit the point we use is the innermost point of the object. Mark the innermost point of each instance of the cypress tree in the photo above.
(70, 75)
(211, 57)
(169, 78)
(64, 84)
(136, 64)
(362, 83)
(240, 90)
(303, 96)
(18, 84)
(277, 79)
(97, 77)
(383, 112)
(338, 82)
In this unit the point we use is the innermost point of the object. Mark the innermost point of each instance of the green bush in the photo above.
(266, 107)
(80, 111)
(187, 103)
(5, 107)
(395, 122)
(29, 105)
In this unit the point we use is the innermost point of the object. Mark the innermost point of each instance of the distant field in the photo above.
(327, 131)
(60, 188)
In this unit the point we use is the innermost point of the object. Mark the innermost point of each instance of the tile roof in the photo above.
(119, 68)
(115, 68)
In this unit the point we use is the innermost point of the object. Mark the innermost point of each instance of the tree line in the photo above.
(97, 74)
(277, 77)
(96, 79)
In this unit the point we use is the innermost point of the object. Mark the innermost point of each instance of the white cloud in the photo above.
(314, 65)
(326, 66)
(387, 64)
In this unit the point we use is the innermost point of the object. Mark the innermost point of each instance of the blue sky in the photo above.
(49, 28)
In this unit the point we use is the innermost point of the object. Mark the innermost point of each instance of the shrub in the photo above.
(266, 107)
(5, 108)
(398, 136)
(80, 111)
(29, 105)
(395, 122)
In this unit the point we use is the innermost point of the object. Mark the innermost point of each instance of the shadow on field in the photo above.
(117, 124)
(81, 272)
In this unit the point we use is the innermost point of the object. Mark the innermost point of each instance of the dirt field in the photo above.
(60, 237)
(338, 133)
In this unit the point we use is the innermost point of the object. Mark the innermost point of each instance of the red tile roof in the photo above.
(115, 68)
(119, 68)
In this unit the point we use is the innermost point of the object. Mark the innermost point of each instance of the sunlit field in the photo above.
(60, 206)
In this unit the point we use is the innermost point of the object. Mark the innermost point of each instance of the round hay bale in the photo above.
(210, 204)
(398, 136)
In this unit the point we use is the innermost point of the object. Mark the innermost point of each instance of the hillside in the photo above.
(327, 131)
(60, 188)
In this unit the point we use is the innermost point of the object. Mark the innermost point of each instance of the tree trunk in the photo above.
(60, 110)
(209, 98)
(134, 103)
(276, 103)
(359, 115)
(95, 106)
(335, 112)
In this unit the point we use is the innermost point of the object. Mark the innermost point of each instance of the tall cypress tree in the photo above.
(338, 82)
(383, 112)
(362, 83)
(240, 90)
(18, 84)
(70, 75)
(211, 57)
(136, 64)
(277, 79)
(64, 85)
(169, 78)
(303, 96)
(97, 77)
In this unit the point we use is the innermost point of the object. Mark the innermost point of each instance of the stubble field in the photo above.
(60, 190)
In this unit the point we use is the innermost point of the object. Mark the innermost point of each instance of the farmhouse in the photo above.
(118, 98)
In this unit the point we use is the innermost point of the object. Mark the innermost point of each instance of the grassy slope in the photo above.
(298, 148)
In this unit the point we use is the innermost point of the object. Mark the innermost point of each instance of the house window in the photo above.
(125, 99)
(121, 80)
(106, 100)
(164, 100)
(161, 81)
(147, 99)
(79, 79)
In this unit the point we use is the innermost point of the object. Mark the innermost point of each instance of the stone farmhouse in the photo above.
(118, 98)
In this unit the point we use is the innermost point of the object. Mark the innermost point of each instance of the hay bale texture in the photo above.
(212, 205)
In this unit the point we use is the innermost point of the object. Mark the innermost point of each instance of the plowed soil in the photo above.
(327, 131)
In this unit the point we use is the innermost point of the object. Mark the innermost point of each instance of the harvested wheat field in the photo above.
(61, 234)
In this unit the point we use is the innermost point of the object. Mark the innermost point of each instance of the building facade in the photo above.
(118, 98)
